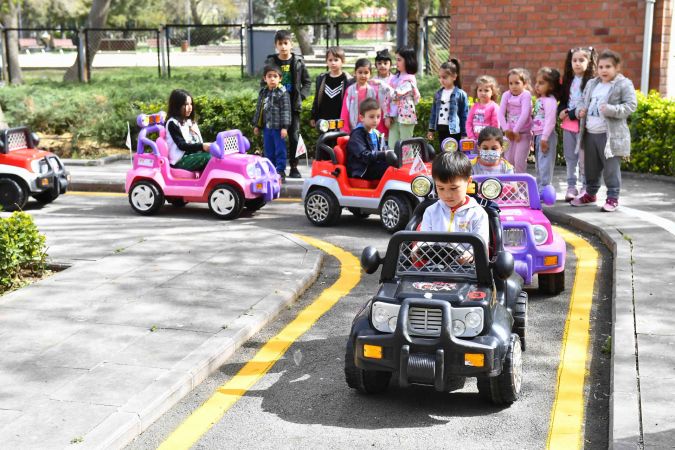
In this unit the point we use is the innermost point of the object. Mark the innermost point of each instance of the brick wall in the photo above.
(491, 36)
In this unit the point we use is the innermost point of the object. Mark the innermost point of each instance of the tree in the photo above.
(98, 15)
(9, 13)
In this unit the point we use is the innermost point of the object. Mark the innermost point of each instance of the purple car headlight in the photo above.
(514, 237)
(253, 170)
(540, 234)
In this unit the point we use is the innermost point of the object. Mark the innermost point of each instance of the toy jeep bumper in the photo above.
(430, 361)
(55, 178)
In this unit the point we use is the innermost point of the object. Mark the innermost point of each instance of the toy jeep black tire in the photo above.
(395, 212)
(551, 283)
(504, 389)
(520, 318)
(322, 208)
(50, 195)
(365, 381)
(12, 195)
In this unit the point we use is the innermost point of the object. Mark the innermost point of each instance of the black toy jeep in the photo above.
(439, 317)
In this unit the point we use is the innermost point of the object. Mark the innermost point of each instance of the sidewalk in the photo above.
(94, 354)
(641, 236)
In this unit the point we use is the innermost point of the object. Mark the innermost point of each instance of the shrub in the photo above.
(22, 248)
(653, 135)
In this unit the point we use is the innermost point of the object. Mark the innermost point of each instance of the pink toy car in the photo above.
(231, 180)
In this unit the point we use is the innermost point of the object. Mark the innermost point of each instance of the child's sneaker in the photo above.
(571, 194)
(584, 200)
(610, 205)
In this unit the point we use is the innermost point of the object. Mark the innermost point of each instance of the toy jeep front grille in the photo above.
(515, 193)
(435, 257)
(425, 321)
(231, 145)
(16, 140)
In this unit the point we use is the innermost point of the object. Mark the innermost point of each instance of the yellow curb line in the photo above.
(212, 410)
(567, 415)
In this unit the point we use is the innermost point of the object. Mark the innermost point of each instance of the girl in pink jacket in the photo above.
(485, 112)
(547, 87)
(515, 118)
(364, 87)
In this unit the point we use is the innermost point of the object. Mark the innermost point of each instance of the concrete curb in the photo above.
(624, 403)
(120, 428)
(95, 162)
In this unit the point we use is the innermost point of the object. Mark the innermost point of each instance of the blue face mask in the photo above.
(490, 156)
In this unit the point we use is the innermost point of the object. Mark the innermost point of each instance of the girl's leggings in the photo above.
(518, 151)
(399, 131)
(597, 165)
(572, 159)
(545, 161)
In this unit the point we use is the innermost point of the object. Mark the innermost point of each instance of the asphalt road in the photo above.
(304, 402)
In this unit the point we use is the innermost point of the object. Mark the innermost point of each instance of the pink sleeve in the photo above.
(525, 111)
(344, 114)
(469, 122)
(550, 110)
(502, 112)
(493, 117)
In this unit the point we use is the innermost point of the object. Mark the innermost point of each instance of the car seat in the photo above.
(340, 151)
(164, 153)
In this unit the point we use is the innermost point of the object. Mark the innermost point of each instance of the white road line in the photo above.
(659, 221)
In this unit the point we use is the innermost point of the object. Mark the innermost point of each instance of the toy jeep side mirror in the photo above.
(370, 259)
(503, 265)
(391, 158)
(547, 195)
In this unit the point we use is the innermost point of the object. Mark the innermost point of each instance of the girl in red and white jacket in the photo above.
(485, 111)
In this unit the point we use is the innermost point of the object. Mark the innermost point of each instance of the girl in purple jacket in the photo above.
(515, 118)
(547, 87)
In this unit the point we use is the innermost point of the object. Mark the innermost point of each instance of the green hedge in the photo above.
(653, 135)
(22, 248)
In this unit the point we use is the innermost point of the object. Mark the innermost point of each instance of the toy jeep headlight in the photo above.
(384, 316)
(323, 125)
(421, 186)
(40, 166)
(449, 145)
(540, 234)
(253, 171)
(491, 189)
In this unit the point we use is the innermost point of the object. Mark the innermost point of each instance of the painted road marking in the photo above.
(567, 416)
(659, 221)
(212, 410)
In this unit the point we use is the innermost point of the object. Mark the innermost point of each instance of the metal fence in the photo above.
(88, 52)
(436, 42)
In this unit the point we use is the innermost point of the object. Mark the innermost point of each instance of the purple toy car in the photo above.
(527, 233)
(231, 180)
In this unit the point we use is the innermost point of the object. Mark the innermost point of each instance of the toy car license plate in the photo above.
(146, 162)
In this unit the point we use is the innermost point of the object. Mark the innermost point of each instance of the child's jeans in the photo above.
(275, 148)
(595, 165)
(545, 162)
(399, 131)
(572, 160)
(518, 151)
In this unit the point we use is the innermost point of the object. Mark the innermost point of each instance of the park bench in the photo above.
(28, 44)
(63, 44)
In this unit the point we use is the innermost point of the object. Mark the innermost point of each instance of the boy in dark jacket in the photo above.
(295, 78)
(273, 115)
(365, 155)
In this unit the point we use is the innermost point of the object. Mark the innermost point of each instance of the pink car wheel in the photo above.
(225, 202)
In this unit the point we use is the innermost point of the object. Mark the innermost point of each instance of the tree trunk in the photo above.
(304, 41)
(11, 20)
(194, 12)
(412, 28)
(98, 16)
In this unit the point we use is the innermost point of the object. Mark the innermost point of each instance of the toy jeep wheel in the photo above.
(357, 212)
(322, 208)
(226, 202)
(520, 318)
(50, 195)
(551, 283)
(394, 213)
(12, 195)
(365, 381)
(145, 198)
(504, 389)
(255, 204)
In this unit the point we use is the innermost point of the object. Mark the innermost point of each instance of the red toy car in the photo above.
(329, 189)
(28, 171)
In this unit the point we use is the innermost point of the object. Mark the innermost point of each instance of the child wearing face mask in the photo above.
(490, 160)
